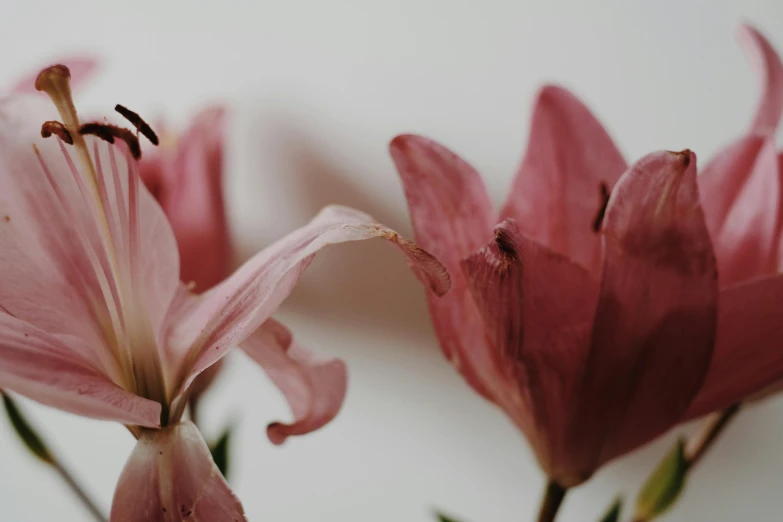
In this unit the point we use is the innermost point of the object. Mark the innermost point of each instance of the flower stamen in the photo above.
(56, 128)
(137, 122)
(108, 132)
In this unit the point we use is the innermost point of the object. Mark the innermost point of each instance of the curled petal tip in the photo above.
(684, 156)
(276, 433)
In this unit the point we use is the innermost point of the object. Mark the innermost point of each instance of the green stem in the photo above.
(705, 439)
(553, 499)
(78, 490)
(698, 445)
(38, 447)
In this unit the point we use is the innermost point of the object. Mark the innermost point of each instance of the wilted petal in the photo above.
(538, 309)
(82, 69)
(655, 322)
(230, 312)
(570, 165)
(170, 477)
(747, 245)
(769, 69)
(452, 218)
(314, 387)
(45, 369)
(748, 354)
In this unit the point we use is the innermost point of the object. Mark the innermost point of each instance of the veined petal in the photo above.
(82, 69)
(61, 267)
(655, 322)
(314, 387)
(748, 354)
(226, 315)
(452, 218)
(569, 168)
(45, 369)
(188, 184)
(538, 307)
(747, 245)
(171, 477)
(769, 69)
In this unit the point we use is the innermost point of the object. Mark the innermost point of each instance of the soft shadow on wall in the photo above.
(284, 177)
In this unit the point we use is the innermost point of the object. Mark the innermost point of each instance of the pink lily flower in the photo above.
(95, 321)
(589, 309)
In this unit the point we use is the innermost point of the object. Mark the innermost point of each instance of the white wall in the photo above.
(319, 87)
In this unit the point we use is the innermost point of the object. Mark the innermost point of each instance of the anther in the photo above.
(100, 130)
(137, 122)
(58, 129)
(109, 132)
(599, 217)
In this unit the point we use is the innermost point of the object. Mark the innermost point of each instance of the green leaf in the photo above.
(26, 432)
(664, 486)
(444, 518)
(220, 453)
(613, 514)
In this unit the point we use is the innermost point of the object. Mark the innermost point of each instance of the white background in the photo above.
(318, 88)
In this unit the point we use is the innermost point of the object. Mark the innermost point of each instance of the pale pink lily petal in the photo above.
(45, 369)
(171, 477)
(569, 168)
(50, 228)
(226, 315)
(747, 245)
(452, 218)
(656, 317)
(769, 69)
(81, 67)
(748, 354)
(314, 387)
(538, 308)
(187, 182)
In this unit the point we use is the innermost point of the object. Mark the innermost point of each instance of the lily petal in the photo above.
(53, 247)
(82, 69)
(188, 186)
(747, 245)
(769, 69)
(226, 315)
(748, 355)
(47, 370)
(452, 218)
(538, 307)
(569, 168)
(655, 323)
(170, 477)
(314, 387)
(725, 175)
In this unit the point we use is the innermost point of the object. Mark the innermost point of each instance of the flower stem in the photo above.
(550, 504)
(698, 445)
(78, 490)
(38, 447)
(703, 441)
